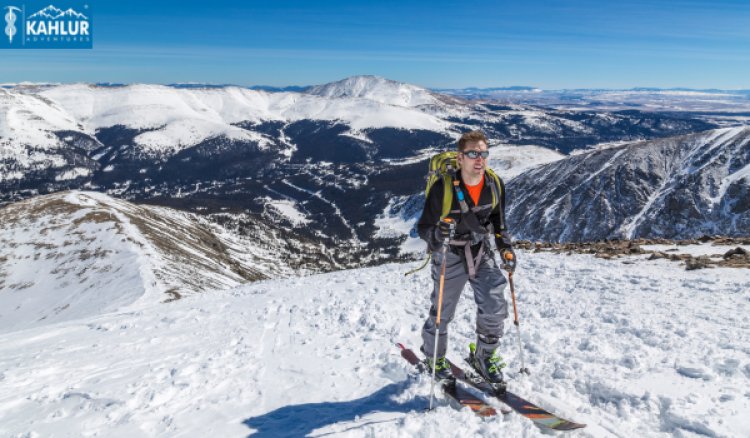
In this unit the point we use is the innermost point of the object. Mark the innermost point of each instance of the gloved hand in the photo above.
(444, 229)
(509, 259)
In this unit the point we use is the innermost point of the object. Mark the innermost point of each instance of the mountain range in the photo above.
(160, 250)
(343, 164)
(690, 185)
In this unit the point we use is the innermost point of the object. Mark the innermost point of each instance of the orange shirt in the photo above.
(475, 191)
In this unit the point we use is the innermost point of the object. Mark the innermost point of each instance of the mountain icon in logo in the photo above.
(53, 13)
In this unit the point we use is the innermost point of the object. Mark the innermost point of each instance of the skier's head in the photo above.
(472, 153)
(471, 137)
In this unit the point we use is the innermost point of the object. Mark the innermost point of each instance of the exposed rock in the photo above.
(697, 263)
(738, 253)
(613, 249)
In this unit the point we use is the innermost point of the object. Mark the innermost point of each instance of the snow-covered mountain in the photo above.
(323, 167)
(377, 89)
(177, 118)
(638, 349)
(76, 254)
(679, 187)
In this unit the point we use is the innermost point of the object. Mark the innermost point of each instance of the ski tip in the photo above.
(400, 345)
(569, 425)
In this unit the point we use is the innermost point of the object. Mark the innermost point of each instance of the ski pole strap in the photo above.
(427, 260)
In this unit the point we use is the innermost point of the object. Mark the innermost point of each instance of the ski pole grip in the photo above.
(451, 226)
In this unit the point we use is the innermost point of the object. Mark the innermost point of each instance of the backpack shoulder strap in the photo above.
(447, 196)
(495, 186)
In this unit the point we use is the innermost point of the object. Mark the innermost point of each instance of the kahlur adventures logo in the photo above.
(49, 27)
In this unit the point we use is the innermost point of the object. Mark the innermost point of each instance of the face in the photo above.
(473, 166)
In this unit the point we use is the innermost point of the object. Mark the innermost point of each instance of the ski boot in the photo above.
(442, 369)
(488, 366)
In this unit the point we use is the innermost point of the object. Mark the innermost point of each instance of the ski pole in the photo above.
(446, 242)
(523, 370)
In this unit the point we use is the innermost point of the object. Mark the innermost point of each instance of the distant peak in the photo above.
(376, 88)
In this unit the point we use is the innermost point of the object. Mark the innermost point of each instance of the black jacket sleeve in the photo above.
(497, 218)
(433, 208)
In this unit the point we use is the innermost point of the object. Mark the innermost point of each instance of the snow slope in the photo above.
(510, 161)
(72, 255)
(77, 254)
(637, 349)
(62, 262)
(29, 119)
(27, 126)
(378, 89)
(678, 187)
(176, 118)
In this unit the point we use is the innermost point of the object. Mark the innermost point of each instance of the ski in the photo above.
(541, 417)
(453, 391)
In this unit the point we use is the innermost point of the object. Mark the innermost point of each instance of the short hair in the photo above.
(471, 137)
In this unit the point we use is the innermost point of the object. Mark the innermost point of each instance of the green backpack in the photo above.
(445, 165)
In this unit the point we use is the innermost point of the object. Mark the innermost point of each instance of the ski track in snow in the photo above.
(637, 349)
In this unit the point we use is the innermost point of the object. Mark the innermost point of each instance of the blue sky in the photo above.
(548, 44)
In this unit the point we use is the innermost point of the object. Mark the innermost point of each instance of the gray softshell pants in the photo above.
(488, 286)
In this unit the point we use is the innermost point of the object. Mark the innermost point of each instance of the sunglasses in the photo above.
(476, 154)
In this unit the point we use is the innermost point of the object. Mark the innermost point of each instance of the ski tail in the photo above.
(454, 392)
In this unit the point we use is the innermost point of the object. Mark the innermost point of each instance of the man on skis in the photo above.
(477, 210)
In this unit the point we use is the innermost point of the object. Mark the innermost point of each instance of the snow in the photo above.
(184, 133)
(509, 161)
(638, 349)
(73, 173)
(390, 224)
(377, 89)
(29, 120)
(177, 118)
(289, 210)
(8, 176)
(696, 250)
(81, 267)
(76, 254)
(743, 173)
(612, 100)
(726, 182)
